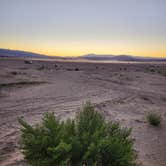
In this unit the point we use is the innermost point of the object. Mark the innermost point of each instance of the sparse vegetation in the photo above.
(76, 69)
(145, 98)
(156, 70)
(18, 73)
(87, 140)
(41, 67)
(152, 70)
(14, 73)
(55, 65)
(13, 84)
(154, 119)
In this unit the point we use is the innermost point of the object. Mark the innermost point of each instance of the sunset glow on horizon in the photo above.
(75, 28)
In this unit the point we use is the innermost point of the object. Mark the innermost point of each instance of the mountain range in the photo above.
(26, 54)
(21, 54)
(120, 58)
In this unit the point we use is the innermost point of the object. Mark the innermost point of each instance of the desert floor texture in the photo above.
(123, 92)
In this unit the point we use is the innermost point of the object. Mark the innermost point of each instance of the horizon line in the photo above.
(72, 56)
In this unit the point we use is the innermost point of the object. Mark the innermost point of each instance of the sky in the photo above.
(78, 27)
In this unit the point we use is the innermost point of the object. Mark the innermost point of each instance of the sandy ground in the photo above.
(124, 92)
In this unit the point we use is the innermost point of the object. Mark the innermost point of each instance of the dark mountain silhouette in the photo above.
(120, 58)
(96, 57)
(26, 54)
(20, 54)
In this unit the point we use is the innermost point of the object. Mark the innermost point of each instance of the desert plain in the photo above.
(123, 92)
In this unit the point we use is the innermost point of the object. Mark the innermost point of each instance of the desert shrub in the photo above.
(152, 70)
(41, 68)
(88, 140)
(14, 72)
(154, 119)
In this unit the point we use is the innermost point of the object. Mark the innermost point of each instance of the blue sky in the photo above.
(76, 27)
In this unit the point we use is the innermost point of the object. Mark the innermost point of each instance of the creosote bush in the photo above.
(154, 119)
(88, 140)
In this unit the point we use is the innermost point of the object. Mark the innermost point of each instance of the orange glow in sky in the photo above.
(75, 28)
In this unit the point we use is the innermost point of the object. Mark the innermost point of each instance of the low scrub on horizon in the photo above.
(87, 140)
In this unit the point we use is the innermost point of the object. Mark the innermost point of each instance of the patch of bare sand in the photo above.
(123, 92)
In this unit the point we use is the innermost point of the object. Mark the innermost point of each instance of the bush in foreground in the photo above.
(154, 119)
(88, 140)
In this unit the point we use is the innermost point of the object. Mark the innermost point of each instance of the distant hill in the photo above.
(96, 57)
(120, 58)
(26, 54)
(20, 54)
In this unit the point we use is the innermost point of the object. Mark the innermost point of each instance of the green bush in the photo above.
(154, 119)
(88, 140)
